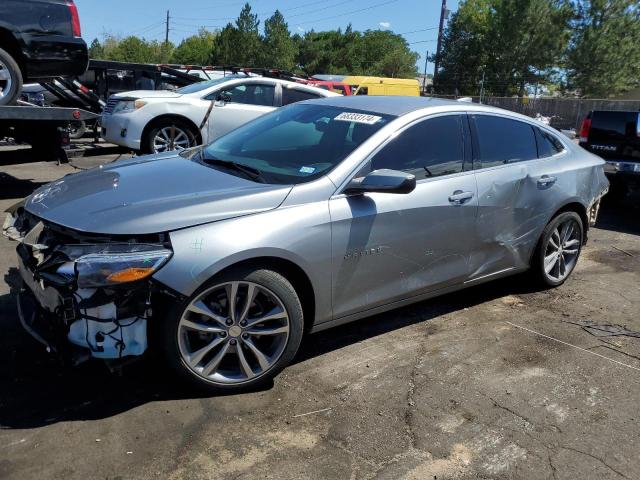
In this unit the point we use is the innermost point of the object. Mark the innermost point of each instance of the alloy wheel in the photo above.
(233, 333)
(171, 138)
(562, 249)
(6, 82)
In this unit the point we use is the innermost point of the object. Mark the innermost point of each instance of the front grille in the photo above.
(111, 103)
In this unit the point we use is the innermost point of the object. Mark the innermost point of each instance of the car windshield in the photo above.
(297, 143)
(199, 86)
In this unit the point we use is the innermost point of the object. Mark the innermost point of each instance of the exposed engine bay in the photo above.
(85, 295)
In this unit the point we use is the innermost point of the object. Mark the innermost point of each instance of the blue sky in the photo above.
(146, 17)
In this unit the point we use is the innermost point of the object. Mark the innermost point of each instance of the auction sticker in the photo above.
(357, 118)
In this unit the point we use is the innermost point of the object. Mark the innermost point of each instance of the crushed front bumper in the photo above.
(107, 322)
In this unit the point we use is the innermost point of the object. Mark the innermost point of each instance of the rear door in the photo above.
(243, 102)
(387, 247)
(509, 192)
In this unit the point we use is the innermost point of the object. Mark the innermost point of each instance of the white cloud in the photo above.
(300, 29)
(385, 25)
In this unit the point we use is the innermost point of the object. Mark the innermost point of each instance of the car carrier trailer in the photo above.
(46, 129)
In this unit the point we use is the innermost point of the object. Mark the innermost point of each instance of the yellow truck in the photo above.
(361, 85)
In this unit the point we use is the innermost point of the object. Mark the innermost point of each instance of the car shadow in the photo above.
(620, 214)
(14, 188)
(37, 390)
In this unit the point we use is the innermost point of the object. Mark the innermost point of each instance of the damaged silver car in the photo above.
(317, 214)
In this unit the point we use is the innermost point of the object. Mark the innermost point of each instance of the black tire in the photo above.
(273, 281)
(10, 68)
(147, 143)
(543, 247)
(77, 129)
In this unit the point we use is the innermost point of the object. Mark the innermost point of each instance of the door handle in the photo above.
(546, 180)
(459, 197)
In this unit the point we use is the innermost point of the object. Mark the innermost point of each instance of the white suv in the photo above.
(154, 121)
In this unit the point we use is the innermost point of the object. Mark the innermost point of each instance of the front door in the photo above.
(239, 104)
(387, 247)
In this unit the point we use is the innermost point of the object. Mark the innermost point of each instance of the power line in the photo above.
(349, 13)
(416, 31)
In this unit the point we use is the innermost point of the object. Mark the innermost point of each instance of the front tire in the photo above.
(167, 135)
(558, 250)
(10, 79)
(235, 333)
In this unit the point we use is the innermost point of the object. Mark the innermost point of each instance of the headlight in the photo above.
(124, 106)
(113, 264)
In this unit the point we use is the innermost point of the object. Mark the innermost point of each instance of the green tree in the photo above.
(279, 48)
(239, 44)
(196, 49)
(515, 43)
(384, 53)
(604, 57)
(96, 50)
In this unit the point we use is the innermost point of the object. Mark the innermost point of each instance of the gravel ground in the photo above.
(497, 381)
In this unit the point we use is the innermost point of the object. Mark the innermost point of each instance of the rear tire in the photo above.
(167, 135)
(10, 79)
(558, 250)
(245, 349)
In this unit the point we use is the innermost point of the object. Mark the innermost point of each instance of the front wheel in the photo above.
(559, 248)
(168, 135)
(237, 332)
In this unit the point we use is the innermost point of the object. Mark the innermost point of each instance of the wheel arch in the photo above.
(10, 44)
(171, 116)
(571, 206)
(292, 272)
(580, 209)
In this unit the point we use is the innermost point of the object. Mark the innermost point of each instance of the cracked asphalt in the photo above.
(498, 381)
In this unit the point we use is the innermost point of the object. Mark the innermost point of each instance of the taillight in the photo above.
(584, 130)
(75, 19)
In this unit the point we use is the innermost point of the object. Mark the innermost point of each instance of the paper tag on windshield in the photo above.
(357, 118)
(307, 169)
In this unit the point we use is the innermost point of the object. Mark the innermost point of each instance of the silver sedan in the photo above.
(317, 214)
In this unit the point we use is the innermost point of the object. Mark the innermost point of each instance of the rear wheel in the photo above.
(237, 332)
(559, 248)
(10, 79)
(168, 135)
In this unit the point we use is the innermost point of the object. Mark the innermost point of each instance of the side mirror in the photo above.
(383, 181)
(223, 98)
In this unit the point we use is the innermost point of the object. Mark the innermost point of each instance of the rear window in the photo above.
(293, 95)
(503, 140)
(548, 144)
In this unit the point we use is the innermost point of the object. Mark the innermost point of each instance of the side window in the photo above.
(502, 140)
(548, 145)
(431, 148)
(250, 94)
(293, 95)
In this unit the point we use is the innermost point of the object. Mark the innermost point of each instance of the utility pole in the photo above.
(424, 79)
(436, 63)
(166, 34)
(482, 86)
(165, 54)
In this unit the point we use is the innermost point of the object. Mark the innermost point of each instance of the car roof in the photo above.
(386, 105)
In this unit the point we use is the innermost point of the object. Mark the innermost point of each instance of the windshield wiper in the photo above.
(252, 173)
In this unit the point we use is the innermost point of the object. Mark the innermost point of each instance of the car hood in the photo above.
(152, 194)
(148, 94)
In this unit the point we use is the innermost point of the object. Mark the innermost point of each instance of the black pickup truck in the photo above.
(615, 136)
(39, 39)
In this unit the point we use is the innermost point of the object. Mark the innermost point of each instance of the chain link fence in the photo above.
(565, 113)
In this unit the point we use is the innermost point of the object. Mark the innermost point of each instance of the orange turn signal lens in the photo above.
(129, 275)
